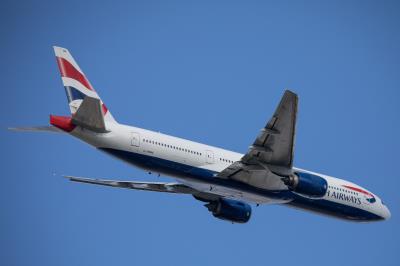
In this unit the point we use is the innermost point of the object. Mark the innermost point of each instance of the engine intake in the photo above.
(230, 210)
(307, 184)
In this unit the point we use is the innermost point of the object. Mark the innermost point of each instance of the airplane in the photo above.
(227, 182)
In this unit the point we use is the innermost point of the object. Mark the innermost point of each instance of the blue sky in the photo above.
(211, 71)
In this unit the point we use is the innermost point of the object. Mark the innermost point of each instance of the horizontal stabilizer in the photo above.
(36, 129)
(89, 115)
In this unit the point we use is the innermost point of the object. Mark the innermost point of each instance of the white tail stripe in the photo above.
(77, 85)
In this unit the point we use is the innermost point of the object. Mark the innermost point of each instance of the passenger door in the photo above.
(209, 157)
(135, 140)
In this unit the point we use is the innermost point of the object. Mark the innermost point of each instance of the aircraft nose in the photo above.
(386, 213)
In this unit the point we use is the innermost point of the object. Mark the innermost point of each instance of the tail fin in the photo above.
(76, 85)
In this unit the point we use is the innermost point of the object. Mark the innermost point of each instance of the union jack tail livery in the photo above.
(76, 84)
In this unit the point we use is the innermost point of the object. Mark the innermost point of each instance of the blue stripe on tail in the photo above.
(73, 94)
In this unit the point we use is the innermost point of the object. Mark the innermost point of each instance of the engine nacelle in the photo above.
(307, 184)
(230, 210)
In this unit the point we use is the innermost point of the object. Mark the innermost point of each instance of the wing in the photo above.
(150, 186)
(234, 211)
(274, 145)
(37, 129)
(272, 151)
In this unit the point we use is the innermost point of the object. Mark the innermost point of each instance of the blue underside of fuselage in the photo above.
(185, 171)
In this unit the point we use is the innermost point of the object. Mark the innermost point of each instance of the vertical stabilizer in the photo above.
(76, 84)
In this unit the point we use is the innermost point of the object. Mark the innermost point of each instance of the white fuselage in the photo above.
(196, 165)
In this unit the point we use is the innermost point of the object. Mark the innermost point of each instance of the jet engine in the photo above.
(230, 210)
(307, 184)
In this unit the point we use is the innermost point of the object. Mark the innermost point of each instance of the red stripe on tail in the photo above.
(69, 71)
(104, 107)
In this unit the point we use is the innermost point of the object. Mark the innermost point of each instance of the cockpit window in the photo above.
(371, 200)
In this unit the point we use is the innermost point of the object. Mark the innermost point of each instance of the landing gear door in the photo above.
(135, 140)
(209, 157)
